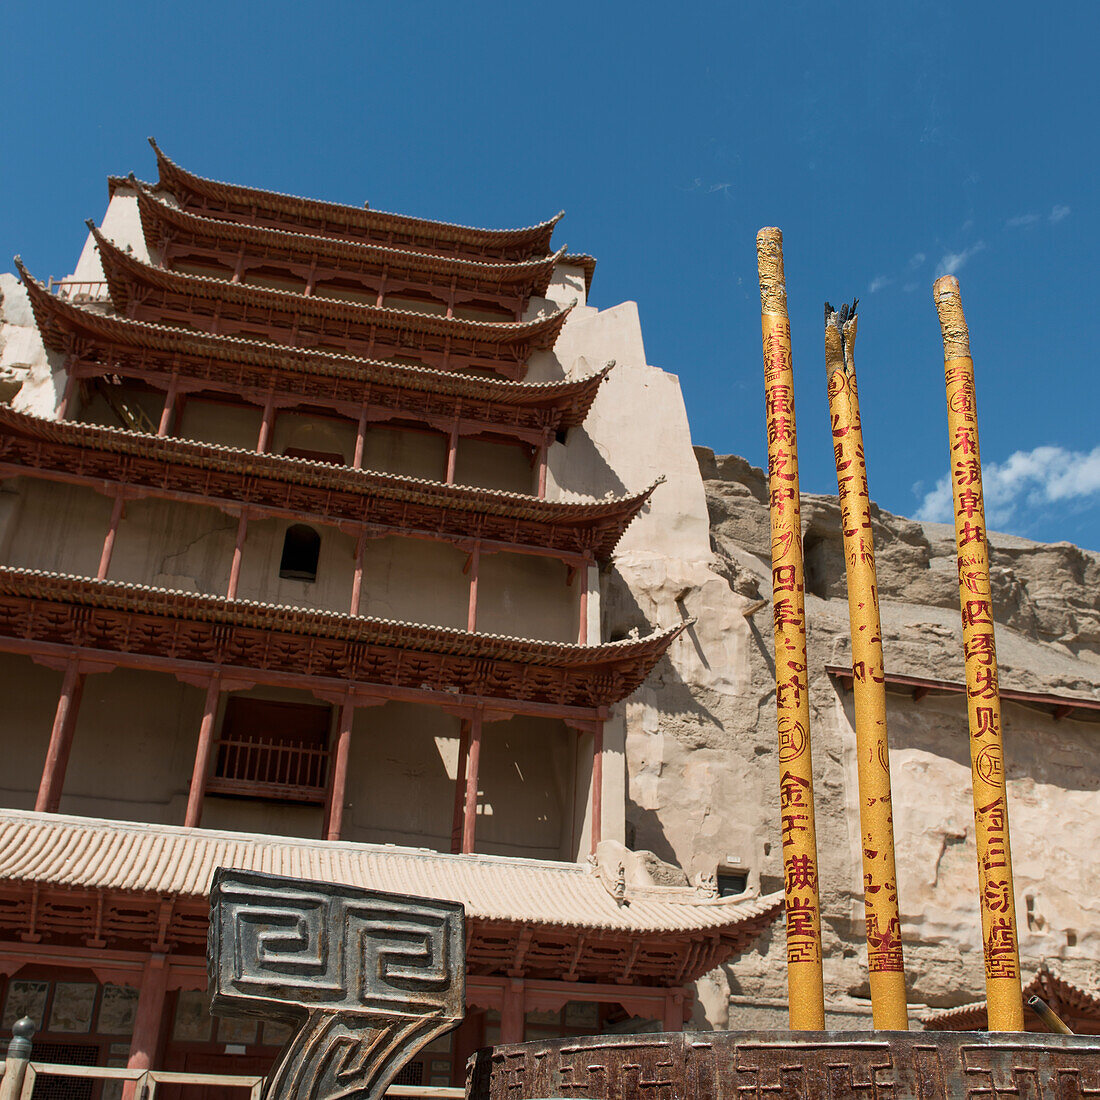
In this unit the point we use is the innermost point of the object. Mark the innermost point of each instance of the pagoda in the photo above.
(288, 584)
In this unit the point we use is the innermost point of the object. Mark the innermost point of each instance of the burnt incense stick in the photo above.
(996, 897)
(883, 920)
(806, 1001)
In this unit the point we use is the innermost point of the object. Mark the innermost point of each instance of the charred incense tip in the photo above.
(840, 337)
(956, 336)
(769, 263)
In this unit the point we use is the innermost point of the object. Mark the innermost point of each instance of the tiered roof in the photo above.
(142, 626)
(253, 368)
(184, 470)
(231, 202)
(573, 927)
(202, 236)
(154, 294)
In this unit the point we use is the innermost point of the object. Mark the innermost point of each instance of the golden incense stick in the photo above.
(876, 818)
(806, 998)
(998, 905)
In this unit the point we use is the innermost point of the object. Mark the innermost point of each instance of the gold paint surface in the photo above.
(883, 920)
(998, 903)
(796, 790)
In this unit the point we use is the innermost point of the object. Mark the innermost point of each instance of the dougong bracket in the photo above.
(366, 978)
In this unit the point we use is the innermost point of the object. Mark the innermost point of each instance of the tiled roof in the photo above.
(173, 178)
(123, 270)
(171, 860)
(452, 509)
(156, 213)
(1070, 1001)
(52, 313)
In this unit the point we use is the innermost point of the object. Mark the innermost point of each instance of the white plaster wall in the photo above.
(121, 225)
(61, 528)
(490, 465)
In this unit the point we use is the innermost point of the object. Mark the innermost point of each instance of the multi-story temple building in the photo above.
(304, 514)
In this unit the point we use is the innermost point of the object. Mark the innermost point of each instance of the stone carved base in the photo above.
(768, 1065)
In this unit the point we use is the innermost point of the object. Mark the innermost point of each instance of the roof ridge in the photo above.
(148, 191)
(347, 207)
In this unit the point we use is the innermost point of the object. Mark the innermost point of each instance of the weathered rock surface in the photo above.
(702, 763)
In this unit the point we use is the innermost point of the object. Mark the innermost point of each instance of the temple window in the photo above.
(301, 549)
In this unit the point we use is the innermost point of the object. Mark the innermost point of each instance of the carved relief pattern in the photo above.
(368, 977)
(775, 1066)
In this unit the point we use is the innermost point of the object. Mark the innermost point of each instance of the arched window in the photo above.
(301, 548)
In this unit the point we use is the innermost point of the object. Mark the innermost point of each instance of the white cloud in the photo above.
(1026, 480)
(1021, 220)
(916, 260)
(953, 261)
(878, 282)
(1058, 212)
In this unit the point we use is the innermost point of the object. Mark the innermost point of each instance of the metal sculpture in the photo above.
(796, 784)
(876, 815)
(998, 904)
(366, 978)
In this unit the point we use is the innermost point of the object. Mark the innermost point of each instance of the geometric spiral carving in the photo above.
(368, 978)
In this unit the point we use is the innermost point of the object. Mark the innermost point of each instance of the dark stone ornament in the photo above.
(762, 1065)
(366, 978)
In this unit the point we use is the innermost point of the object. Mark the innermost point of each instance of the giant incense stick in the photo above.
(876, 819)
(1002, 960)
(796, 787)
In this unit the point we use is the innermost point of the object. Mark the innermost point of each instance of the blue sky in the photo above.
(890, 142)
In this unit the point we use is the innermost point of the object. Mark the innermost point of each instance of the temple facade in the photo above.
(307, 521)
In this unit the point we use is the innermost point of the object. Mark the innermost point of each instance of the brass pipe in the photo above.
(876, 819)
(998, 905)
(1051, 1020)
(806, 998)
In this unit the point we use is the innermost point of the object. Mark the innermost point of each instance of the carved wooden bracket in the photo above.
(366, 978)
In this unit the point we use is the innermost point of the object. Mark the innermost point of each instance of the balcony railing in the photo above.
(259, 768)
(79, 290)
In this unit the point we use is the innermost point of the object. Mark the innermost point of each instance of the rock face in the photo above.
(702, 763)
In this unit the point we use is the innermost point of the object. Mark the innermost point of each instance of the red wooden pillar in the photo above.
(460, 786)
(357, 575)
(148, 1019)
(265, 425)
(597, 785)
(473, 761)
(339, 781)
(61, 740)
(238, 553)
(582, 606)
(167, 414)
(474, 566)
(674, 1010)
(109, 539)
(202, 754)
(513, 1011)
(452, 455)
(360, 440)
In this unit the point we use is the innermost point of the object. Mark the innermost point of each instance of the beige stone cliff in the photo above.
(702, 759)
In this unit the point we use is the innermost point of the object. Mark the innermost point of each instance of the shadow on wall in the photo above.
(579, 466)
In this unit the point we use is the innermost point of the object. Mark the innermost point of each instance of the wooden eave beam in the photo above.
(1060, 706)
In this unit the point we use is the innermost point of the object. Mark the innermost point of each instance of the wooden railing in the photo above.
(268, 768)
(79, 290)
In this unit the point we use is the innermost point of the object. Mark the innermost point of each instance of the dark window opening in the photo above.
(301, 549)
(272, 750)
(731, 883)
